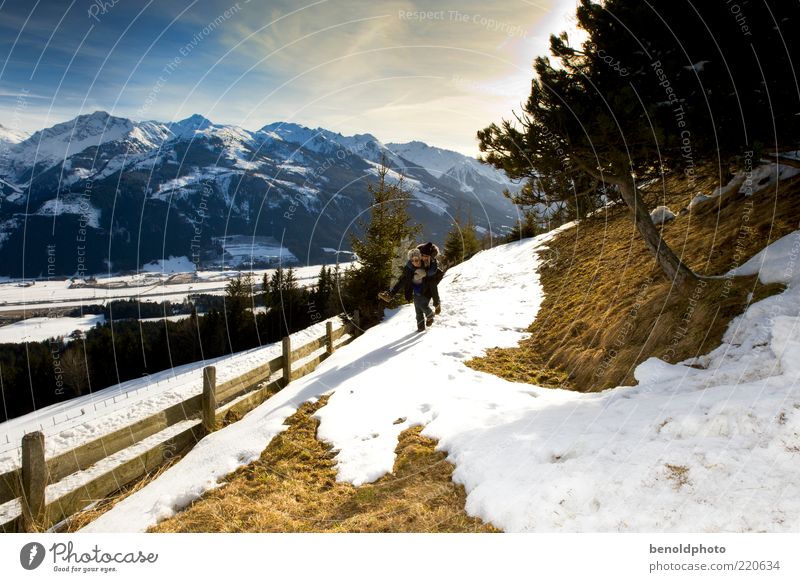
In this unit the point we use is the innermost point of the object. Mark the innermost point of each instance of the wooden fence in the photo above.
(200, 414)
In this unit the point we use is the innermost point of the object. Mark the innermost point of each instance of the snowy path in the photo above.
(688, 449)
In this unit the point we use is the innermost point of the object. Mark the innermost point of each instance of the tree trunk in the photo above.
(670, 264)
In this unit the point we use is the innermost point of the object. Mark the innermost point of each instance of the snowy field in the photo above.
(37, 329)
(159, 285)
(707, 449)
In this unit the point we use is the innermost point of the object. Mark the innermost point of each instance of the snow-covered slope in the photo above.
(707, 447)
(466, 174)
(39, 329)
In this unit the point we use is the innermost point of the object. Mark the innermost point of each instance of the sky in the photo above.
(400, 70)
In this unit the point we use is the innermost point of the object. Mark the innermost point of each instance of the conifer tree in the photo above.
(528, 226)
(322, 293)
(238, 320)
(462, 241)
(276, 284)
(650, 92)
(379, 245)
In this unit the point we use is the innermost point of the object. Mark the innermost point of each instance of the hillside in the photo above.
(702, 445)
(607, 308)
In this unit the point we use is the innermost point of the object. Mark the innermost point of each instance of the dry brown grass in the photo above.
(678, 474)
(293, 488)
(607, 308)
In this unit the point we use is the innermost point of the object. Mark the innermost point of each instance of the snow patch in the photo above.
(661, 215)
(39, 329)
(765, 176)
(170, 265)
(71, 205)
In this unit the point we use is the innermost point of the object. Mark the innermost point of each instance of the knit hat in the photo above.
(429, 249)
(414, 253)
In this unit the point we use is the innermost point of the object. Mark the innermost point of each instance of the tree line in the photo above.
(37, 374)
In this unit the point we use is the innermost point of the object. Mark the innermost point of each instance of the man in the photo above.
(415, 284)
(429, 251)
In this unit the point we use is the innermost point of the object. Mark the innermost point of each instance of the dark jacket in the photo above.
(406, 281)
(434, 276)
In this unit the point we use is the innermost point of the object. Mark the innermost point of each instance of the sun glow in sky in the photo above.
(401, 70)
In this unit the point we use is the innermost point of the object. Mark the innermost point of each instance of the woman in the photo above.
(415, 284)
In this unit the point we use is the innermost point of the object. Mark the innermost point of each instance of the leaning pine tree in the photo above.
(585, 129)
(650, 92)
(382, 240)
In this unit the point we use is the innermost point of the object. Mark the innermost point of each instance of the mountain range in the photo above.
(101, 193)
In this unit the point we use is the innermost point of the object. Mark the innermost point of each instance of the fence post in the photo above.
(34, 482)
(329, 337)
(209, 398)
(356, 323)
(287, 360)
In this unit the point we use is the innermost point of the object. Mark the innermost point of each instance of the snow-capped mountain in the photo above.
(468, 175)
(48, 147)
(323, 141)
(10, 136)
(439, 161)
(117, 193)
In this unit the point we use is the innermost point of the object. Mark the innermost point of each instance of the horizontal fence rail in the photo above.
(202, 414)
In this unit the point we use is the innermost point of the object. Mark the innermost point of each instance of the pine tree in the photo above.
(585, 123)
(379, 247)
(322, 293)
(657, 88)
(334, 304)
(527, 227)
(462, 241)
(73, 362)
(290, 287)
(238, 319)
(273, 296)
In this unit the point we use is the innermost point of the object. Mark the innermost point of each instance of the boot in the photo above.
(437, 309)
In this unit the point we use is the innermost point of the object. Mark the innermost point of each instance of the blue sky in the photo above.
(401, 70)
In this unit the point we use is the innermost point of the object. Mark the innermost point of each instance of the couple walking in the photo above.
(420, 281)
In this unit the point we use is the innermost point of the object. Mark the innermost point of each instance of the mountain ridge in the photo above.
(140, 191)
